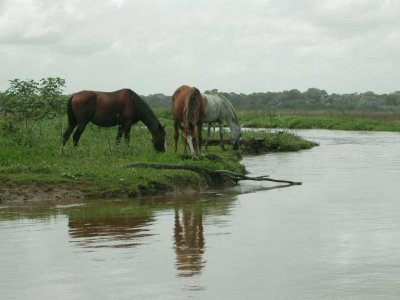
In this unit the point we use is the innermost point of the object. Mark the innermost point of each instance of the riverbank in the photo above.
(37, 169)
(358, 121)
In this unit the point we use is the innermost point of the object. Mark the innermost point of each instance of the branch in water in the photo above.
(228, 174)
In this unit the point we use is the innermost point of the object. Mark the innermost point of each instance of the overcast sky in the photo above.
(341, 46)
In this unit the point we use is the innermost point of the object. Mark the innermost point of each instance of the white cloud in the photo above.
(155, 46)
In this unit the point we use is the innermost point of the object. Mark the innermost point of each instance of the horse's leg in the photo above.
(199, 136)
(127, 132)
(119, 134)
(78, 133)
(208, 135)
(176, 134)
(221, 135)
(196, 140)
(184, 142)
(67, 134)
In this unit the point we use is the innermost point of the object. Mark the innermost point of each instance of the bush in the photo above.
(27, 102)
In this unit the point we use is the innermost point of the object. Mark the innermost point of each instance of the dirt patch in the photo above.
(22, 193)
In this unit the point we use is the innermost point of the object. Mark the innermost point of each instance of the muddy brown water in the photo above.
(337, 236)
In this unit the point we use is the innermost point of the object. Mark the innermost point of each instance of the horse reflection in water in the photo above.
(127, 224)
(107, 225)
(189, 241)
(124, 232)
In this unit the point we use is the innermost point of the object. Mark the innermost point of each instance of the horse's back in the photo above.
(179, 99)
(102, 108)
(83, 105)
(214, 108)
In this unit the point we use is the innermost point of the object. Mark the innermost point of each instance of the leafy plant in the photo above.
(27, 102)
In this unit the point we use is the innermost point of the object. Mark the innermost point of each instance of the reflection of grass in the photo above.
(109, 209)
(329, 120)
(142, 208)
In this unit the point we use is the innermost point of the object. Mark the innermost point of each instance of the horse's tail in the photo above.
(192, 105)
(70, 113)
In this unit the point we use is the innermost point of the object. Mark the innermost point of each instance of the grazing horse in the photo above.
(187, 112)
(217, 108)
(106, 109)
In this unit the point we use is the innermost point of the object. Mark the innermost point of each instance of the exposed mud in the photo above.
(21, 193)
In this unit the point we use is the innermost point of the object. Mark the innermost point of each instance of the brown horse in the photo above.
(187, 111)
(106, 109)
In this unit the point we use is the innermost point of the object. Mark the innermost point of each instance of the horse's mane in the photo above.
(139, 101)
(231, 108)
(147, 115)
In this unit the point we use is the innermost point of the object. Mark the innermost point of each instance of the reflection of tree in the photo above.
(189, 241)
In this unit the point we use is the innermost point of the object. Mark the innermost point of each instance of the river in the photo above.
(337, 236)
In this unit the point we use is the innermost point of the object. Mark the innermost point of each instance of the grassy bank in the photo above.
(380, 121)
(95, 166)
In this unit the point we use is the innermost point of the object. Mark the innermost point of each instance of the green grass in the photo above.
(326, 120)
(280, 141)
(96, 165)
(97, 162)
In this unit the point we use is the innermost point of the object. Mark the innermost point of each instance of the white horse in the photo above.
(217, 108)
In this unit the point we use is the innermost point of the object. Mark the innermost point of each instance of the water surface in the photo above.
(337, 236)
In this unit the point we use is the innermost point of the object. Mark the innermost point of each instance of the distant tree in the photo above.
(315, 95)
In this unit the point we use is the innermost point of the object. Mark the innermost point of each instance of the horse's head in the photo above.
(160, 139)
(235, 131)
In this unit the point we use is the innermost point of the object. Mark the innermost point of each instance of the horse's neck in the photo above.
(230, 114)
(148, 118)
(151, 122)
(232, 123)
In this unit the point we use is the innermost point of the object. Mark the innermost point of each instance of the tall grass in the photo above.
(379, 121)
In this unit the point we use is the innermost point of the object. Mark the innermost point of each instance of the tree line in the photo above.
(29, 100)
(311, 99)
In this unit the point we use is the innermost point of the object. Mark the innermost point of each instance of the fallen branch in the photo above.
(205, 171)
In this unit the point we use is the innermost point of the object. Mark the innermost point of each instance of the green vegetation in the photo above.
(321, 119)
(278, 141)
(313, 108)
(32, 120)
(310, 100)
(97, 163)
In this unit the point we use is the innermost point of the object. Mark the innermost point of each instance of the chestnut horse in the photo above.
(106, 109)
(187, 111)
